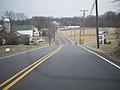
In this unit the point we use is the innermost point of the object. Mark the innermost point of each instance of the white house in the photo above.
(29, 30)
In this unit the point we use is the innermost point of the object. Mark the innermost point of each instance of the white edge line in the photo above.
(101, 57)
(59, 40)
(69, 39)
(22, 52)
(65, 40)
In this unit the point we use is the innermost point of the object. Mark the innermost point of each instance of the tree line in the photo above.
(108, 19)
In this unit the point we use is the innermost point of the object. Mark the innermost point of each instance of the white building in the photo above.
(6, 24)
(29, 30)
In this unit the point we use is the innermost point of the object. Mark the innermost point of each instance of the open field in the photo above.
(90, 39)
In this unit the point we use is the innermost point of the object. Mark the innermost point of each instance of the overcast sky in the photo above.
(55, 8)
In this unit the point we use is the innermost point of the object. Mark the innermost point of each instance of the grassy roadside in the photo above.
(18, 48)
(90, 41)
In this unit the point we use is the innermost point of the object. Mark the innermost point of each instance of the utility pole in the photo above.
(84, 13)
(74, 34)
(70, 30)
(80, 35)
(49, 35)
(97, 31)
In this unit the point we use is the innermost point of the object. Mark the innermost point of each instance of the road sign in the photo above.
(7, 49)
(82, 38)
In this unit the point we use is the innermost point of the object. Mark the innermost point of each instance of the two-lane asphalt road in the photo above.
(63, 40)
(68, 67)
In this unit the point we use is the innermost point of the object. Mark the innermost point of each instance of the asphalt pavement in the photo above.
(67, 67)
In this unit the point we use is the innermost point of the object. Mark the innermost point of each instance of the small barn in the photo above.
(29, 30)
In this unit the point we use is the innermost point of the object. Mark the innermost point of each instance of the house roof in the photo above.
(22, 27)
(6, 20)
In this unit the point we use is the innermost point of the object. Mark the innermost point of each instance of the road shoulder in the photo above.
(101, 53)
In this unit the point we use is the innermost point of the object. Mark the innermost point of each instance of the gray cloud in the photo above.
(55, 8)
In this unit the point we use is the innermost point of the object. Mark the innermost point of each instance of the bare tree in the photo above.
(16, 18)
(117, 30)
(41, 23)
(10, 15)
(21, 19)
(21, 16)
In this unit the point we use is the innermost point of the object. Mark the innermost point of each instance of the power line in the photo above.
(92, 8)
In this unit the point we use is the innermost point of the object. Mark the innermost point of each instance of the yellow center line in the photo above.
(23, 70)
(29, 69)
